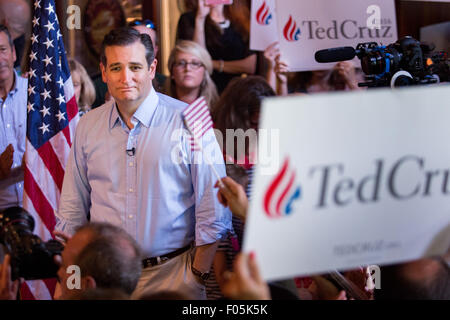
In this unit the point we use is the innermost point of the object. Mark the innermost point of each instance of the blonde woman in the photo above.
(190, 67)
(83, 86)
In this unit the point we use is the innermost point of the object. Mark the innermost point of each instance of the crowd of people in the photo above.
(141, 226)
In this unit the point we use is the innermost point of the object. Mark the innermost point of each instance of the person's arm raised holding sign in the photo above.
(223, 29)
(233, 196)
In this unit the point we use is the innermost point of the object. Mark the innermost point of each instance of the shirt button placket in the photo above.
(131, 183)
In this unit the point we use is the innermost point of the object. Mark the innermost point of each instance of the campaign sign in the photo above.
(305, 27)
(352, 179)
(263, 24)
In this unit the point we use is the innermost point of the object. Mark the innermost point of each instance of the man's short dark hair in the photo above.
(395, 285)
(125, 37)
(112, 257)
(4, 29)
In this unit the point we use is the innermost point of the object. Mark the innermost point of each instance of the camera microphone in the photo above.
(335, 54)
(131, 151)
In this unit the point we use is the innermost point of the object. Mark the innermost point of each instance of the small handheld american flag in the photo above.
(198, 121)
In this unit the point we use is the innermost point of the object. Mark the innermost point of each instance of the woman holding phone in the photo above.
(223, 29)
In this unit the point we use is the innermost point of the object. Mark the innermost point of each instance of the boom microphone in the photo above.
(335, 54)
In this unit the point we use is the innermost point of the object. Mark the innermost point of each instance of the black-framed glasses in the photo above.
(146, 22)
(183, 63)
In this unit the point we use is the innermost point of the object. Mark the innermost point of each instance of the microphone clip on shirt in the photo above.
(131, 151)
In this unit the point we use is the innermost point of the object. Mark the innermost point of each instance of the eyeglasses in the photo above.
(147, 23)
(183, 63)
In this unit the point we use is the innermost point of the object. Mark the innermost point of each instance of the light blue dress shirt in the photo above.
(13, 128)
(159, 195)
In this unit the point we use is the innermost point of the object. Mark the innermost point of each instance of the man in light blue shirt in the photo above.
(13, 124)
(124, 168)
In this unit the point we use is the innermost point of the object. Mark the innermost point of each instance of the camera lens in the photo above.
(373, 63)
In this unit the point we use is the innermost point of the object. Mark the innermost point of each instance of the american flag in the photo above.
(51, 122)
(198, 121)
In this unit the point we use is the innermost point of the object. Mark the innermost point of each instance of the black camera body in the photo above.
(31, 258)
(403, 63)
(399, 64)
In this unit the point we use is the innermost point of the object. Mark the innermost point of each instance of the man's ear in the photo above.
(103, 69)
(88, 282)
(153, 68)
(14, 52)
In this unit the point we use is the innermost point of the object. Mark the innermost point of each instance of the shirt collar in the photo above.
(148, 107)
(143, 114)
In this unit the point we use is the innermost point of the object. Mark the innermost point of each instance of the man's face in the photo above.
(127, 74)
(7, 58)
(74, 246)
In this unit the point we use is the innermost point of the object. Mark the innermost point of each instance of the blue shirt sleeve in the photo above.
(75, 196)
(213, 221)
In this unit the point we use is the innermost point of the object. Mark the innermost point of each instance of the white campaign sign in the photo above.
(305, 27)
(263, 24)
(361, 178)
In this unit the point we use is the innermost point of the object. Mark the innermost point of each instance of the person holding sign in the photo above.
(224, 31)
(277, 70)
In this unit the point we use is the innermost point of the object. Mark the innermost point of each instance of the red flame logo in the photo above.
(290, 31)
(263, 15)
(281, 191)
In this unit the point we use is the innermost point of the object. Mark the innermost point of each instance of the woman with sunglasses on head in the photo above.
(190, 67)
(224, 31)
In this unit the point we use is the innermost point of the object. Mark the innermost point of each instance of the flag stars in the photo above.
(46, 94)
(47, 77)
(58, 35)
(60, 82)
(33, 56)
(32, 73)
(49, 26)
(30, 107)
(49, 43)
(44, 128)
(35, 21)
(48, 60)
(31, 90)
(34, 38)
(50, 9)
(37, 4)
(60, 99)
(45, 111)
(60, 116)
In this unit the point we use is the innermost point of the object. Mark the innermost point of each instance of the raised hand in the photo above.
(6, 161)
(281, 69)
(271, 52)
(233, 196)
(203, 10)
(245, 282)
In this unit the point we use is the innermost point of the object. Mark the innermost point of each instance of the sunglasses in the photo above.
(147, 23)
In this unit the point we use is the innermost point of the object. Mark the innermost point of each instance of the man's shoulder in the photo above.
(22, 83)
(171, 104)
(97, 116)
